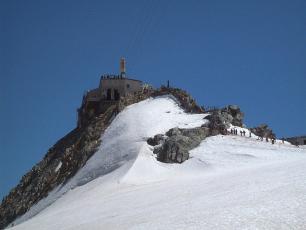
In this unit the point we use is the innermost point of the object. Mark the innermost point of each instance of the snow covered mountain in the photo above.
(229, 181)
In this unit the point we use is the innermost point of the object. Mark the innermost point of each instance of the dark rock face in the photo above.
(263, 130)
(174, 147)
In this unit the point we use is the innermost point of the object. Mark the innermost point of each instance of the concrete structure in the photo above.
(112, 87)
(301, 140)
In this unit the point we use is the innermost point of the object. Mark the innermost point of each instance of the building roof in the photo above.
(117, 77)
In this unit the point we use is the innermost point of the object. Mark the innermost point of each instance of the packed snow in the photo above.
(229, 182)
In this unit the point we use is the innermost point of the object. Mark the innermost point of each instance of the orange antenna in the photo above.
(122, 67)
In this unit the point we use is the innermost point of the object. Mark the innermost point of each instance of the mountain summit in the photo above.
(154, 159)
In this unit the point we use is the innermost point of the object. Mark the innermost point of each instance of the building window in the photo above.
(116, 95)
(128, 86)
(109, 94)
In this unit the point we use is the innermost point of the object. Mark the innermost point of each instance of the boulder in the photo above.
(156, 140)
(175, 146)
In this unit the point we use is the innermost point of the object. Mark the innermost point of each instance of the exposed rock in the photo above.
(222, 118)
(185, 100)
(263, 130)
(156, 140)
(234, 114)
(175, 146)
(299, 140)
(217, 123)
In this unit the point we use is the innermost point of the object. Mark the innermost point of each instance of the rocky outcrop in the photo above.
(230, 114)
(299, 140)
(217, 122)
(264, 131)
(185, 100)
(221, 119)
(234, 112)
(174, 147)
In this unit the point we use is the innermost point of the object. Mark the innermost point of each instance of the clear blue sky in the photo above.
(250, 53)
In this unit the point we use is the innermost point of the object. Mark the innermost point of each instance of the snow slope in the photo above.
(230, 182)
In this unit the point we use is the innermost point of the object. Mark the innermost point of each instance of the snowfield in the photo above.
(229, 182)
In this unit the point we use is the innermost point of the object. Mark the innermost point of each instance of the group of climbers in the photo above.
(243, 132)
(235, 132)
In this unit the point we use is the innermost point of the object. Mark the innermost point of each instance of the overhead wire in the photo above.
(143, 21)
(147, 22)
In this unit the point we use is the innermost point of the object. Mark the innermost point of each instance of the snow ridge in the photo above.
(121, 143)
(229, 182)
